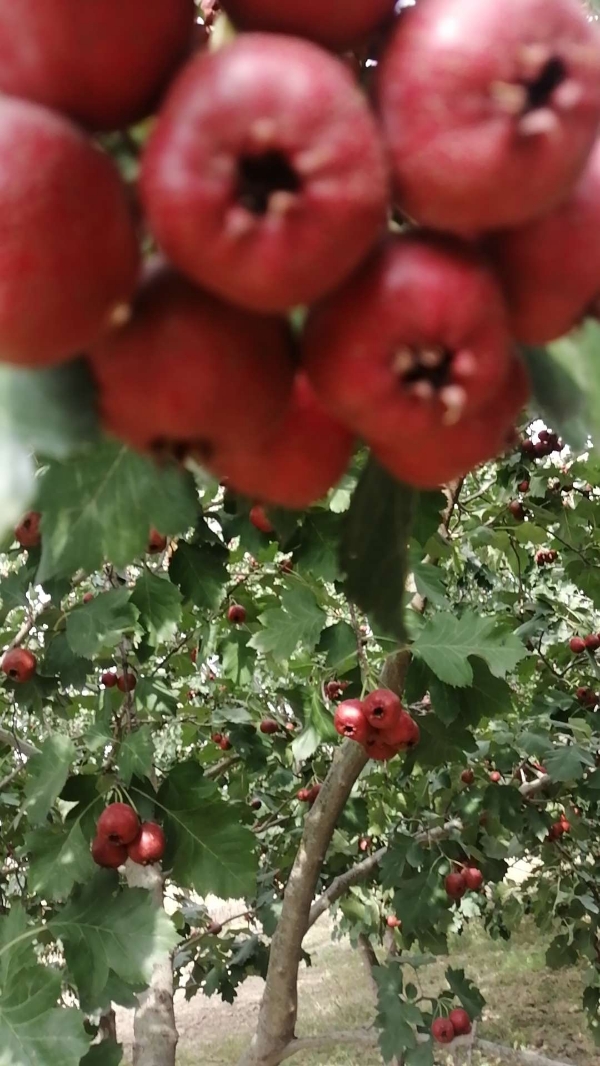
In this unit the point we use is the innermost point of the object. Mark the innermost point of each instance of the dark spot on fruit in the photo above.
(260, 176)
(539, 91)
(164, 449)
(13, 673)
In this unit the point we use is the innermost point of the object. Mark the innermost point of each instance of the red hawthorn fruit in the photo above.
(448, 452)
(334, 25)
(333, 689)
(565, 823)
(577, 645)
(214, 928)
(126, 682)
(460, 1021)
(377, 748)
(473, 879)
(109, 679)
(495, 777)
(255, 804)
(286, 566)
(236, 614)
(216, 738)
(281, 181)
(382, 709)
(189, 374)
(455, 885)
(442, 1030)
(258, 518)
(305, 456)
(415, 340)
(517, 510)
(556, 831)
(19, 664)
(107, 854)
(118, 823)
(403, 734)
(350, 721)
(149, 845)
(269, 726)
(303, 795)
(489, 110)
(156, 543)
(592, 642)
(523, 486)
(550, 268)
(467, 777)
(60, 55)
(393, 922)
(27, 533)
(364, 844)
(64, 202)
(88, 597)
(194, 655)
(313, 793)
(225, 744)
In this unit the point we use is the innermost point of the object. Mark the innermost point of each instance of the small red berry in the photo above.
(214, 928)
(592, 642)
(577, 645)
(258, 518)
(156, 543)
(19, 664)
(109, 679)
(118, 823)
(455, 885)
(27, 532)
(349, 721)
(495, 777)
(460, 1021)
(216, 738)
(393, 922)
(523, 486)
(126, 682)
(517, 510)
(88, 597)
(473, 878)
(403, 734)
(442, 1030)
(377, 748)
(107, 854)
(225, 744)
(382, 709)
(313, 793)
(269, 726)
(236, 614)
(149, 845)
(333, 689)
(303, 795)
(467, 777)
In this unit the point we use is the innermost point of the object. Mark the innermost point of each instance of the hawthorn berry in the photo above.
(303, 795)
(126, 681)
(489, 110)
(350, 721)
(59, 192)
(27, 533)
(269, 726)
(236, 614)
(19, 664)
(118, 824)
(455, 885)
(88, 597)
(214, 928)
(523, 485)
(148, 846)
(258, 518)
(225, 744)
(377, 748)
(216, 738)
(188, 374)
(517, 510)
(393, 922)
(592, 642)
(467, 777)
(333, 690)
(403, 734)
(415, 340)
(577, 645)
(495, 777)
(313, 793)
(460, 1021)
(473, 878)
(334, 25)
(106, 853)
(109, 679)
(382, 709)
(442, 1031)
(156, 543)
(282, 182)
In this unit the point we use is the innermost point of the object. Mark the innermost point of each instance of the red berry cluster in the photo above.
(545, 557)
(458, 1023)
(308, 795)
(121, 836)
(379, 723)
(590, 643)
(267, 181)
(467, 879)
(19, 664)
(124, 680)
(335, 689)
(587, 696)
(559, 828)
(221, 741)
(546, 444)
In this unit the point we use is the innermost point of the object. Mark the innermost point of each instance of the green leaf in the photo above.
(200, 572)
(101, 504)
(101, 623)
(421, 1055)
(568, 763)
(47, 773)
(466, 991)
(62, 662)
(395, 1016)
(17, 481)
(446, 642)
(106, 1053)
(51, 411)
(237, 659)
(103, 929)
(59, 858)
(339, 644)
(487, 697)
(208, 847)
(33, 1030)
(298, 622)
(429, 582)
(374, 548)
(565, 384)
(318, 726)
(136, 754)
(159, 604)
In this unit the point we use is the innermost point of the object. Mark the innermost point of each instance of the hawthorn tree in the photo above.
(205, 579)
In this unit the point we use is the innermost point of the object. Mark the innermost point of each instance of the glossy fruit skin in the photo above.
(350, 721)
(264, 179)
(313, 794)
(517, 510)
(442, 1031)
(60, 197)
(473, 879)
(106, 853)
(455, 885)
(88, 597)
(126, 682)
(577, 645)
(109, 679)
(592, 642)
(102, 62)
(417, 338)
(305, 456)
(216, 738)
(471, 147)
(258, 518)
(149, 845)
(156, 543)
(334, 25)
(495, 777)
(403, 734)
(236, 614)
(382, 709)
(393, 922)
(19, 664)
(118, 823)
(460, 1021)
(377, 748)
(27, 533)
(225, 744)
(523, 486)
(269, 726)
(467, 777)
(450, 451)
(255, 804)
(550, 268)
(222, 373)
(303, 795)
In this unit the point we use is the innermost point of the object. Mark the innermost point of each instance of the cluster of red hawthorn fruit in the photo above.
(559, 828)
(590, 643)
(120, 836)
(445, 1030)
(268, 182)
(465, 879)
(587, 696)
(379, 723)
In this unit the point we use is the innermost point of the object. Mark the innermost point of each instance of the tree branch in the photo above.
(22, 746)
(530, 788)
